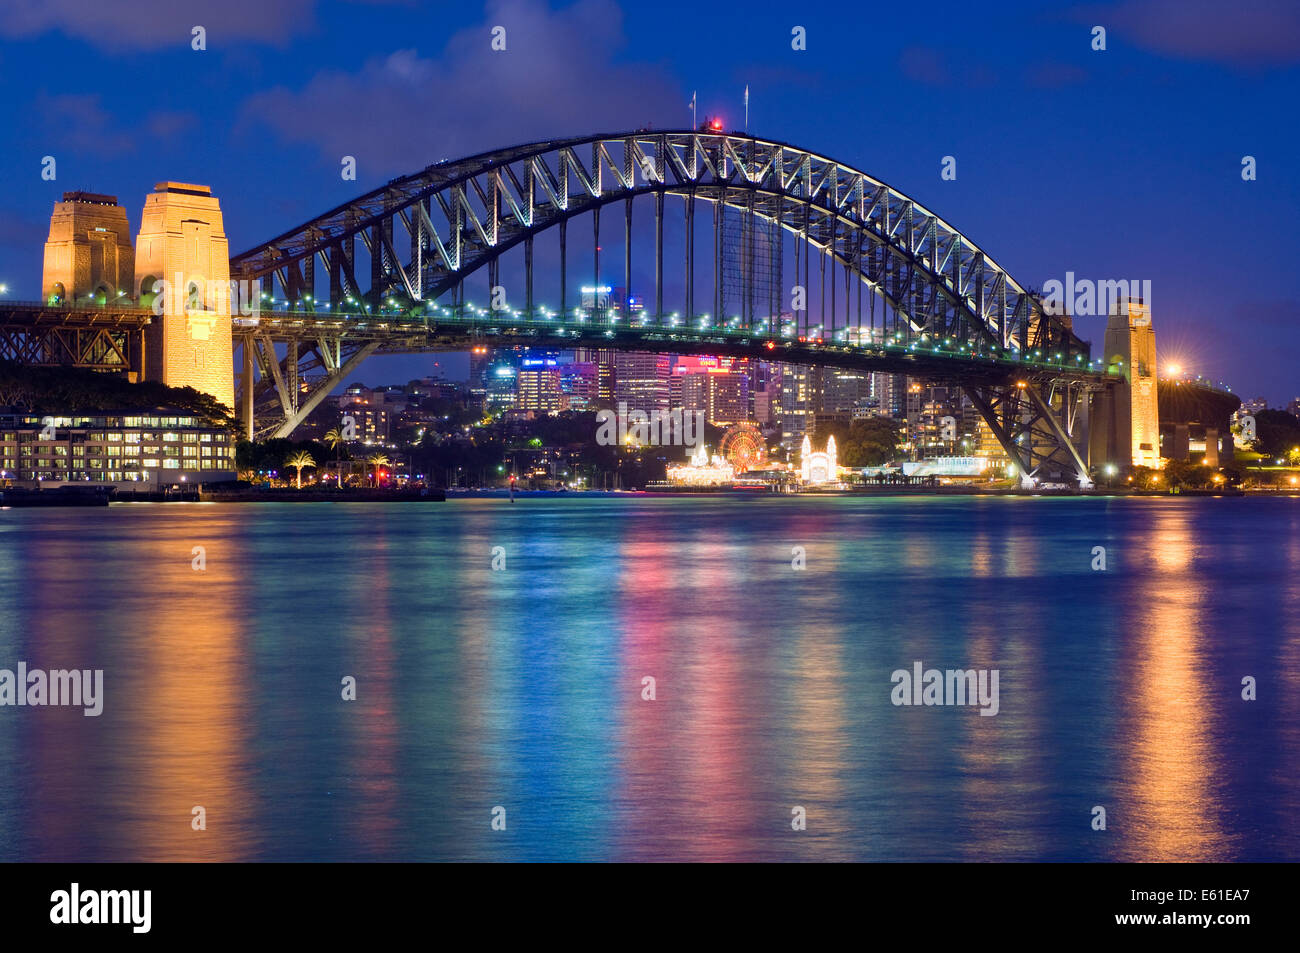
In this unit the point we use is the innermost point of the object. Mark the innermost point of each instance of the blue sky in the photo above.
(1122, 163)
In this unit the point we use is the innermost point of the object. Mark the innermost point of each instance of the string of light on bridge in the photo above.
(551, 320)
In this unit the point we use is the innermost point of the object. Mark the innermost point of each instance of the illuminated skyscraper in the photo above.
(579, 386)
(718, 387)
(796, 406)
(641, 380)
(537, 386)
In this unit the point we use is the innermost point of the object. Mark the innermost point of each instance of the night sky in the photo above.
(1124, 163)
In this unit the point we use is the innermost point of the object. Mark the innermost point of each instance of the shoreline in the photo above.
(76, 496)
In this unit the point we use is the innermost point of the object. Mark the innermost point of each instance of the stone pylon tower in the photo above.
(1131, 350)
(88, 257)
(182, 245)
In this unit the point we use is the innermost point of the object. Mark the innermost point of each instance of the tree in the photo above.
(865, 442)
(1277, 433)
(1143, 478)
(299, 460)
(1185, 473)
(334, 440)
(60, 390)
(377, 460)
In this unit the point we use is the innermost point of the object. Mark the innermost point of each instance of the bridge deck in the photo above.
(31, 314)
(460, 330)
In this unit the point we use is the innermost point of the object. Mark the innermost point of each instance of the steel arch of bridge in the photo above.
(460, 217)
(465, 214)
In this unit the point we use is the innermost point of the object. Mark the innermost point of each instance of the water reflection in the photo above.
(1164, 811)
(522, 687)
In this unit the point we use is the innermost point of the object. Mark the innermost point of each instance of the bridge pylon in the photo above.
(183, 260)
(1129, 431)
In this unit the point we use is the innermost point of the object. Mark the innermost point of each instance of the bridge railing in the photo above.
(772, 333)
(118, 304)
(1201, 382)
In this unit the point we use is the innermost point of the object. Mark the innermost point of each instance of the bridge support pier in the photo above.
(1180, 446)
(1211, 447)
(247, 394)
(1026, 419)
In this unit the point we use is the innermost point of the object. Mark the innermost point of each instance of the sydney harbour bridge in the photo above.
(899, 289)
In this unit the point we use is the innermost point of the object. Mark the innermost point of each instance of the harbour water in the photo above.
(522, 687)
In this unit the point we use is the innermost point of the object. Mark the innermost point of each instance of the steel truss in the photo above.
(103, 340)
(424, 234)
(1040, 423)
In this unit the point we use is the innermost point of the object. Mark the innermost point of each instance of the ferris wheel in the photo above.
(744, 448)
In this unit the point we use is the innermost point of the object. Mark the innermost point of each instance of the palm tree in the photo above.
(299, 460)
(334, 440)
(377, 460)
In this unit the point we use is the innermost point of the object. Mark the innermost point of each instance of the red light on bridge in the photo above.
(770, 345)
(716, 125)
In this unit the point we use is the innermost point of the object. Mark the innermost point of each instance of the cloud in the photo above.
(1249, 33)
(78, 122)
(924, 65)
(153, 24)
(168, 124)
(1053, 75)
(931, 67)
(556, 77)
